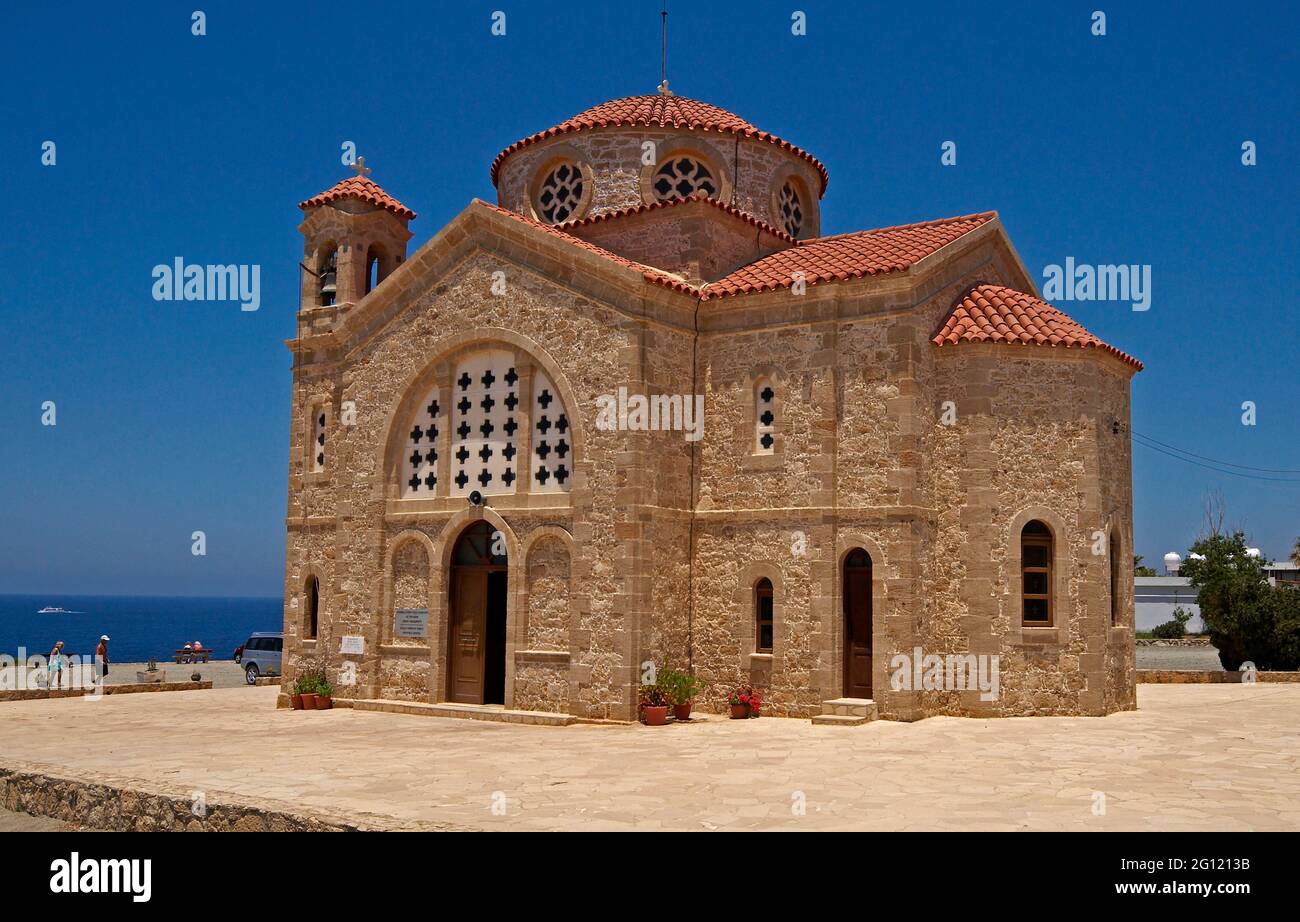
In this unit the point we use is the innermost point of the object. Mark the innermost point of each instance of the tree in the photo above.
(1295, 553)
(1139, 570)
(1247, 619)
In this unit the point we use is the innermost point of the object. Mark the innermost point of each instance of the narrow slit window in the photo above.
(764, 419)
(313, 608)
(1114, 580)
(763, 616)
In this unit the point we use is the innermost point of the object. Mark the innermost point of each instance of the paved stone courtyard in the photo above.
(1215, 757)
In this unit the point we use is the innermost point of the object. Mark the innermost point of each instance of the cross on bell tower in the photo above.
(360, 167)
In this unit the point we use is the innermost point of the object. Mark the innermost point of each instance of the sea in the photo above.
(140, 628)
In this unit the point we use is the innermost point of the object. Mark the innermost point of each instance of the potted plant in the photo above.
(682, 690)
(654, 705)
(151, 674)
(324, 693)
(740, 700)
(295, 698)
(755, 702)
(307, 688)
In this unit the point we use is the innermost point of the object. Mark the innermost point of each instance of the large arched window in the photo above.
(1114, 578)
(484, 407)
(1036, 575)
(763, 616)
(312, 626)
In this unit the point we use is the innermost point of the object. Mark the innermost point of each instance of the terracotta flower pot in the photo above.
(739, 711)
(324, 702)
(296, 701)
(682, 711)
(309, 702)
(655, 716)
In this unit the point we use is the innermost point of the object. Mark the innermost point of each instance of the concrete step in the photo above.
(839, 720)
(850, 707)
(490, 712)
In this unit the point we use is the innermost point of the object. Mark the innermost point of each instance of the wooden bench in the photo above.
(192, 656)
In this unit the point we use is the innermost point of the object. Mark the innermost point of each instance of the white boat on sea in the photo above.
(53, 610)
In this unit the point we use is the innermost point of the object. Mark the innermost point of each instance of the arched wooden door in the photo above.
(476, 672)
(857, 624)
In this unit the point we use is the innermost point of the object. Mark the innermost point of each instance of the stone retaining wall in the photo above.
(1184, 677)
(32, 694)
(116, 808)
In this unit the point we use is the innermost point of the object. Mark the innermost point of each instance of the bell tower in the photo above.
(354, 235)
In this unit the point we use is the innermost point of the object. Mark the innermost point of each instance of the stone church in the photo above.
(903, 451)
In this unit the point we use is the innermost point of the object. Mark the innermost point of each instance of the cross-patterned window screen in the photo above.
(483, 407)
(681, 177)
(552, 446)
(764, 419)
(560, 193)
(318, 439)
(420, 467)
(484, 450)
(791, 209)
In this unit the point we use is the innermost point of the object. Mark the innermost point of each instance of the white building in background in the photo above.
(1156, 597)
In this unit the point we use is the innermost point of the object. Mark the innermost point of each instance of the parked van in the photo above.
(262, 653)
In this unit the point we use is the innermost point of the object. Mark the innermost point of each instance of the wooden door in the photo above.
(857, 625)
(468, 634)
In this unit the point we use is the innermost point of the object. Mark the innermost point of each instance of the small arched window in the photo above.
(1114, 579)
(1036, 575)
(560, 195)
(790, 208)
(313, 608)
(681, 177)
(764, 418)
(372, 269)
(763, 616)
(327, 270)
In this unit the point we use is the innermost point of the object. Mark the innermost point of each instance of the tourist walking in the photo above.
(55, 679)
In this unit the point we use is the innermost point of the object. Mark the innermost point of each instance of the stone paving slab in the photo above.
(1214, 757)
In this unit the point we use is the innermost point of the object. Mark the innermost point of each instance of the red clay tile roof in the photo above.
(845, 256)
(360, 187)
(672, 203)
(660, 112)
(650, 273)
(994, 314)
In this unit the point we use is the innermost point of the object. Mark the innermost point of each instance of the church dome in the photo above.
(660, 111)
(655, 149)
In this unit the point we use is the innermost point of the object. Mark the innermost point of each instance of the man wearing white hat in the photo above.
(101, 655)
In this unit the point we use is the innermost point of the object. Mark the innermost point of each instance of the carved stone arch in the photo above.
(847, 541)
(446, 352)
(440, 611)
(547, 593)
(1062, 565)
(744, 599)
(1119, 561)
(392, 596)
(717, 158)
(304, 614)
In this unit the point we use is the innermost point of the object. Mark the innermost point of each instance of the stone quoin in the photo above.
(903, 447)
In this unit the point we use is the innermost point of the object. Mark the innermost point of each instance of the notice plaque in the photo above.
(351, 645)
(411, 622)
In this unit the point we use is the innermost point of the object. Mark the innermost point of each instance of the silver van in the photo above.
(262, 654)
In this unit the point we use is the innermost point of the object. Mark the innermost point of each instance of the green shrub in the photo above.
(1173, 629)
(1247, 619)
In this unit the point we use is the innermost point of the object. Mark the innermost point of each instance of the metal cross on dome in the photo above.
(360, 166)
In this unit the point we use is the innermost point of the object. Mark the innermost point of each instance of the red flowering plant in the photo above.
(745, 695)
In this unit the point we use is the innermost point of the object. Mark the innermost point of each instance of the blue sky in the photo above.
(173, 417)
